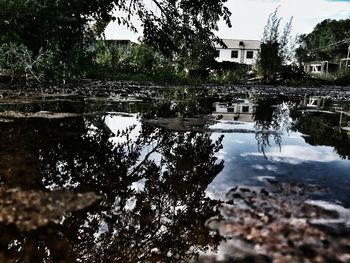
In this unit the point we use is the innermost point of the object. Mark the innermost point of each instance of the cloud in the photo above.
(249, 17)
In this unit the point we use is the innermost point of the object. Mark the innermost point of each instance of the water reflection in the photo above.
(271, 116)
(154, 182)
(162, 220)
(322, 128)
(270, 119)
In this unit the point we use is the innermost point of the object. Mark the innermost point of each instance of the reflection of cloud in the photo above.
(294, 154)
(218, 190)
(271, 168)
(222, 155)
(265, 178)
(138, 186)
(258, 167)
(120, 123)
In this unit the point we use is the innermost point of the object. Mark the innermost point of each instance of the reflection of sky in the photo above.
(227, 125)
(122, 122)
(297, 154)
(294, 161)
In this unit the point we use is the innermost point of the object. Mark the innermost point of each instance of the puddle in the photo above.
(138, 179)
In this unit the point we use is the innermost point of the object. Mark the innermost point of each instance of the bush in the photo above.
(16, 59)
(343, 78)
(20, 62)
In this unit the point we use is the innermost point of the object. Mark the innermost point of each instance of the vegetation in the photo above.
(65, 30)
(276, 48)
(329, 40)
(55, 40)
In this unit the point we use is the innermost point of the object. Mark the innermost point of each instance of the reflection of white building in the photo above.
(238, 51)
(314, 102)
(238, 110)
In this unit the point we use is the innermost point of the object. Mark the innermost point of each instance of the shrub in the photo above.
(20, 62)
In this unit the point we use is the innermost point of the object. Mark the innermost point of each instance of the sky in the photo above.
(249, 17)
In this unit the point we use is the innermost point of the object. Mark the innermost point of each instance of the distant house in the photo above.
(238, 51)
(320, 67)
(344, 63)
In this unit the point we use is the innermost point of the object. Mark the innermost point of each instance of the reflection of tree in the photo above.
(188, 107)
(162, 222)
(270, 121)
(322, 129)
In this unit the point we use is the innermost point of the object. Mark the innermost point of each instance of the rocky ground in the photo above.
(280, 224)
(29, 210)
(147, 90)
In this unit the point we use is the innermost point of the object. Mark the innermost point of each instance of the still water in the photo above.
(159, 168)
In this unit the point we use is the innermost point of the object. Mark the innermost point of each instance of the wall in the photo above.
(225, 55)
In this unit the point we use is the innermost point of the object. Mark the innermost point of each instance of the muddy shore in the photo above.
(88, 88)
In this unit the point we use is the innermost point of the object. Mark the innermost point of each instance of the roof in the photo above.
(235, 43)
(120, 41)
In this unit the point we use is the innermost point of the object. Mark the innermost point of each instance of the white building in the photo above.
(239, 51)
(238, 110)
(320, 67)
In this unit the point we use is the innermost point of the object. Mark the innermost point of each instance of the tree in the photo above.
(329, 40)
(275, 47)
(65, 27)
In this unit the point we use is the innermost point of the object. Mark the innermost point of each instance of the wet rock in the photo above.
(264, 192)
(276, 222)
(237, 195)
(244, 190)
(40, 114)
(230, 202)
(29, 210)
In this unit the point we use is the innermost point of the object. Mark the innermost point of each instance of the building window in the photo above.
(250, 54)
(245, 109)
(217, 53)
(234, 54)
(241, 43)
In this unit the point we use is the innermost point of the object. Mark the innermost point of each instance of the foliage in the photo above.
(276, 48)
(19, 61)
(320, 130)
(236, 76)
(329, 40)
(132, 61)
(15, 57)
(341, 78)
(65, 28)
